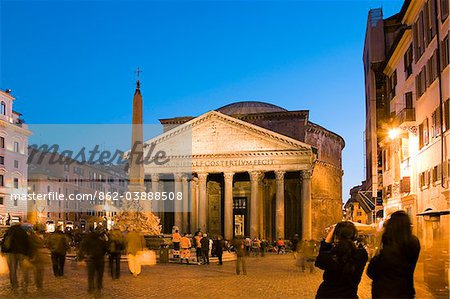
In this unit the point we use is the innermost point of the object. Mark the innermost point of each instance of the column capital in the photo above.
(279, 174)
(154, 177)
(202, 176)
(184, 178)
(177, 177)
(256, 175)
(228, 175)
(306, 174)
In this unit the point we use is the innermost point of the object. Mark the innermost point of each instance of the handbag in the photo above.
(147, 257)
(3, 265)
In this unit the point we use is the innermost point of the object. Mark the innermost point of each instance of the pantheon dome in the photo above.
(249, 107)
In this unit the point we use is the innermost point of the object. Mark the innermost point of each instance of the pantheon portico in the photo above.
(238, 178)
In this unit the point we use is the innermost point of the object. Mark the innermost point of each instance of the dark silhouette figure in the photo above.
(219, 244)
(58, 243)
(116, 244)
(392, 269)
(342, 261)
(93, 248)
(16, 245)
(204, 242)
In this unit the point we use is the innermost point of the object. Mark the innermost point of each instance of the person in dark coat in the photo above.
(219, 245)
(58, 243)
(392, 269)
(342, 261)
(16, 245)
(116, 244)
(205, 248)
(93, 249)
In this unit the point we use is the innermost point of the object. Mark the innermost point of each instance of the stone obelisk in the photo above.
(136, 164)
(137, 213)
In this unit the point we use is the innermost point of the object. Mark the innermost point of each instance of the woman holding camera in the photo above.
(392, 269)
(342, 261)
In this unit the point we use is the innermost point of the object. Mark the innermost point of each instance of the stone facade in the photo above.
(289, 153)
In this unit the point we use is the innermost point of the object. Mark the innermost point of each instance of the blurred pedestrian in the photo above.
(93, 248)
(392, 269)
(37, 258)
(281, 247)
(239, 246)
(256, 246)
(306, 255)
(264, 245)
(295, 241)
(58, 244)
(16, 246)
(248, 245)
(116, 244)
(176, 237)
(219, 244)
(135, 244)
(204, 242)
(198, 246)
(185, 245)
(342, 261)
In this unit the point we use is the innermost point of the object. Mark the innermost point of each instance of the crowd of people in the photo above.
(340, 255)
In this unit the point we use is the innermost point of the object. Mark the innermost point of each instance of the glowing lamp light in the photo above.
(393, 133)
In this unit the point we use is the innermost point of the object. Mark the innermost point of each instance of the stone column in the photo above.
(203, 201)
(156, 205)
(228, 206)
(194, 204)
(279, 204)
(178, 204)
(185, 203)
(255, 177)
(306, 205)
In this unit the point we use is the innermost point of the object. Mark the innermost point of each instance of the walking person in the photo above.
(116, 244)
(58, 244)
(281, 247)
(295, 241)
(198, 247)
(306, 255)
(176, 237)
(204, 242)
(248, 245)
(37, 258)
(342, 261)
(135, 243)
(16, 246)
(185, 245)
(219, 244)
(239, 246)
(93, 248)
(264, 245)
(256, 246)
(392, 269)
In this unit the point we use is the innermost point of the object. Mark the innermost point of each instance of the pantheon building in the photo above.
(247, 168)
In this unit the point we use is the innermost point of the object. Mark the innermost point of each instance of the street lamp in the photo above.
(393, 133)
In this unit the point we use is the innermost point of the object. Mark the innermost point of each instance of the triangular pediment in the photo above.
(217, 133)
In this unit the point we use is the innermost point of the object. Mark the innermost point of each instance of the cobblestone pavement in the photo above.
(273, 276)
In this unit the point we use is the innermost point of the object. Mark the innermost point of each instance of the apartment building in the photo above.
(412, 136)
(14, 135)
(75, 192)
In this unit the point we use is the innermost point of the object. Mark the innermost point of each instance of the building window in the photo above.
(15, 202)
(436, 123)
(16, 164)
(66, 167)
(16, 146)
(423, 133)
(421, 82)
(2, 142)
(408, 61)
(391, 85)
(16, 183)
(446, 114)
(2, 160)
(445, 53)
(2, 182)
(432, 69)
(444, 10)
(429, 21)
(3, 108)
(2, 200)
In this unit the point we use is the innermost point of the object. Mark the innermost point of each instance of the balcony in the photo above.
(406, 117)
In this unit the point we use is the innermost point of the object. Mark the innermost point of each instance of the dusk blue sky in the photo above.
(73, 62)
